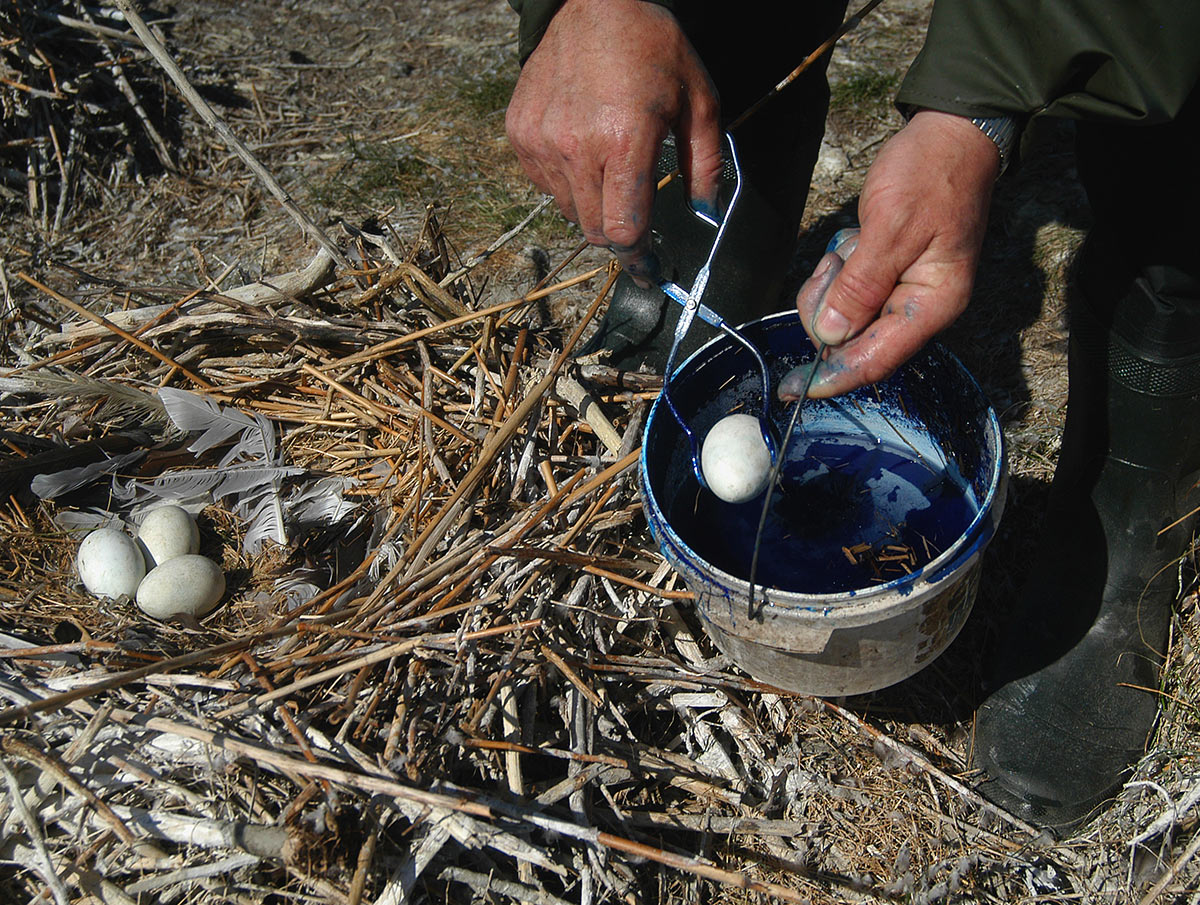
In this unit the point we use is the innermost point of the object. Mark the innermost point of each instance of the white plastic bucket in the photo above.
(852, 639)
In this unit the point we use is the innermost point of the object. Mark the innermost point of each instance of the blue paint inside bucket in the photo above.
(849, 511)
(910, 463)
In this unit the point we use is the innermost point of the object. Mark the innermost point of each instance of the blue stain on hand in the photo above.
(646, 268)
(844, 241)
(705, 208)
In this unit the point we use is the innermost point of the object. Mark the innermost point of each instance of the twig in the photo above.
(477, 807)
(927, 768)
(261, 841)
(605, 375)
(483, 884)
(513, 773)
(639, 585)
(386, 653)
(504, 434)
(35, 836)
(98, 30)
(477, 259)
(573, 392)
(161, 151)
(701, 868)
(717, 824)
(51, 764)
(850, 24)
(572, 676)
(210, 116)
(391, 345)
(286, 286)
(429, 293)
(121, 679)
(109, 325)
(367, 854)
(187, 875)
(431, 449)
(1176, 867)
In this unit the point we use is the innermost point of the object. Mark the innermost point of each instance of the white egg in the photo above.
(167, 532)
(735, 459)
(189, 584)
(110, 563)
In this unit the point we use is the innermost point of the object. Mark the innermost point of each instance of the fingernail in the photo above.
(823, 266)
(843, 242)
(792, 384)
(831, 326)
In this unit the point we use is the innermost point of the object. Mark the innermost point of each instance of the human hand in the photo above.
(923, 211)
(590, 111)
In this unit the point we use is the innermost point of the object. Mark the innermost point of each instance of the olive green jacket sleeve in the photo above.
(536, 15)
(1106, 60)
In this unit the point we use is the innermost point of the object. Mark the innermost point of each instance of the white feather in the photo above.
(249, 471)
(49, 486)
(250, 479)
(263, 516)
(386, 556)
(193, 412)
(80, 520)
(249, 474)
(295, 591)
(322, 502)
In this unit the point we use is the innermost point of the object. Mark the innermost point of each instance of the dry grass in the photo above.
(479, 682)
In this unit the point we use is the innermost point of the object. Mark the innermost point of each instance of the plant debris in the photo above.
(80, 100)
(451, 665)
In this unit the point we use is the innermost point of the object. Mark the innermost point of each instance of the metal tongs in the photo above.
(690, 301)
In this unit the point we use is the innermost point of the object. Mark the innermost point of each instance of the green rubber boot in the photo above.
(1076, 670)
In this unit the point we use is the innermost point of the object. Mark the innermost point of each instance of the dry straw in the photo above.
(474, 679)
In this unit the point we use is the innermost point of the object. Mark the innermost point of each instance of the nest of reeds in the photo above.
(468, 674)
(451, 664)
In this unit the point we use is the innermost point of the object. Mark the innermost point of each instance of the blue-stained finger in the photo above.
(844, 242)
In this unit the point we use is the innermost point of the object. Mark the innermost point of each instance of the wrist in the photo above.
(983, 140)
(1003, 132)
(535, 16)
